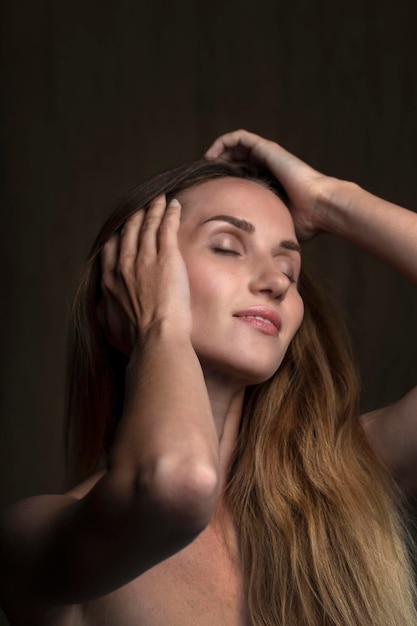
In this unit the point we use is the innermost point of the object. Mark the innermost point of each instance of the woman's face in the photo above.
(243, 262)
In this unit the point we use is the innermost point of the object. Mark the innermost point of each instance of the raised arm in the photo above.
(321, 203)
(160, 489)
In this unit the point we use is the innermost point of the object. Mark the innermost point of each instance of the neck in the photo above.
(226, 405)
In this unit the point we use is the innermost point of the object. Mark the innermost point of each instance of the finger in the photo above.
(217, 148)
(230, 140)
(168, 231)
(109, 258)
(149, 231)
(129, 241)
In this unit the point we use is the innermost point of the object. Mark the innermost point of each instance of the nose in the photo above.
(271, 281)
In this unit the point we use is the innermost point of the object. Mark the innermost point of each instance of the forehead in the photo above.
(242, 198)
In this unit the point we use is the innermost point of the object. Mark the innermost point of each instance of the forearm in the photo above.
(390, 233)
(375, 225)
(167, 433)
(157, 496)
(161, 486)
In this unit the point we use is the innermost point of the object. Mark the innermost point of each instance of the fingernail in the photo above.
(174, 203)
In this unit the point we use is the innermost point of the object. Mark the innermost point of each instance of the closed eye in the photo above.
(290, 277)
(226, 251)
(288, 268)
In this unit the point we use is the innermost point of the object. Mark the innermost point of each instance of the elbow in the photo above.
(177, 492)
(184, 492)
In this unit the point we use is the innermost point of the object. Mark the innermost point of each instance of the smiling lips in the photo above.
(262, 318)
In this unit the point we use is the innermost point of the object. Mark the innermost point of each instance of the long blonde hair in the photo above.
(321, 540)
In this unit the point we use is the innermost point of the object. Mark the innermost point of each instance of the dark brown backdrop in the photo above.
(96, 96)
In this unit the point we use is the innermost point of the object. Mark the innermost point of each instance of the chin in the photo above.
(244, 374)
(256, 371)
(256, 378)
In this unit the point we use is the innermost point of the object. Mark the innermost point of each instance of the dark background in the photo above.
(97, 96)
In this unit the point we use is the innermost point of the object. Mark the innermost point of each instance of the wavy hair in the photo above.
(320, 536)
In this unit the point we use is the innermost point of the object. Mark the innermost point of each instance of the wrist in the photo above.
(161, 333)
(334, 205)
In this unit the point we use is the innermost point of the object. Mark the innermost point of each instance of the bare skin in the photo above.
(143, 542)
(321, 203)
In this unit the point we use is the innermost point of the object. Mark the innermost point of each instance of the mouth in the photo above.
(264, 319)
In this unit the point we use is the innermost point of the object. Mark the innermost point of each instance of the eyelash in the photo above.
(225, 250)
(236, 253)
(290, 278)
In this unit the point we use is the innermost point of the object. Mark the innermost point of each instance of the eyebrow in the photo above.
(247, 227)
(288, 244)
(235, 221)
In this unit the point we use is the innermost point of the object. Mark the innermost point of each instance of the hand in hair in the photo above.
(305, 186)
(381, 228)
(160, 487)
(144, 279)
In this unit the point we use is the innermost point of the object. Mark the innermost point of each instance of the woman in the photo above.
(206, 373)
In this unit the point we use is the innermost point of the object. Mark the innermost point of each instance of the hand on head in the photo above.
(144, 279)
(305, 186)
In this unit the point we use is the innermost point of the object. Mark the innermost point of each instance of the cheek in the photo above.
(297, 314)
(206, 285)
(300, 311)
(202, 290)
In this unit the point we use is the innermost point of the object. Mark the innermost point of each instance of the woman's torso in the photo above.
(199, 586)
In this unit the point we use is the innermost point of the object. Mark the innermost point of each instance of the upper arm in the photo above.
(68, 549)
(392, 432)
(24, 530)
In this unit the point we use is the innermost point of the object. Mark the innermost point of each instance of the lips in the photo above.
(263, 318)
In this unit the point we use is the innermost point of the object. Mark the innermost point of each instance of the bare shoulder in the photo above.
(26, 533)
(392, 432)
(68, 550)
